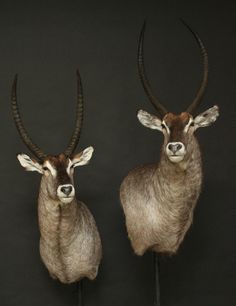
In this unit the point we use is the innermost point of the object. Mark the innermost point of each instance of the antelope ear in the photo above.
(150, 121)
(206, 118)
(29, 164)
(83, 157)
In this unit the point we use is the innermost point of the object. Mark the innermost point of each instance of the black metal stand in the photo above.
(157, 301)
(80, 291)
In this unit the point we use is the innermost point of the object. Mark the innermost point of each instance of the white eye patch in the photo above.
(186, 128)
(70, 167)
(166, 127)
(50, 168)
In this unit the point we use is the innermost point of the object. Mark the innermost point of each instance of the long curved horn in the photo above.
(192, 107)
(20, 127)
(142, 75)
(79, 118)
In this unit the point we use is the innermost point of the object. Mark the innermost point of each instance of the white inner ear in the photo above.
(83, 158)
(207, 118)
(149, 120)
(29, 164)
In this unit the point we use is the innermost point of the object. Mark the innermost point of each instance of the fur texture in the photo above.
(70, 244)
(159, 199)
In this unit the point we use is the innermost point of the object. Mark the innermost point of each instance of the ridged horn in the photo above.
(79, 118)
(161, 110)
(19, 124)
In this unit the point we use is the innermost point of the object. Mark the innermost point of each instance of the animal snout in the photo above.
(65, 190)
(175, 151)
(174, 147)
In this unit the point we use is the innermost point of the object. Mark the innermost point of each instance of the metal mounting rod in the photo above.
(157, 301)
(80, 292)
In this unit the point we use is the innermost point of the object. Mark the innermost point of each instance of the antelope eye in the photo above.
(72, 167)
(163, 126)
(45, 168)
(192, 123)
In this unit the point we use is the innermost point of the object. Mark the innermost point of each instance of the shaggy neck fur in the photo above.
(158, 201)
(57, 220)
(70, 244)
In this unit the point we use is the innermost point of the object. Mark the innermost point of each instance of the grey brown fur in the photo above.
(158, 201)
(70, 244)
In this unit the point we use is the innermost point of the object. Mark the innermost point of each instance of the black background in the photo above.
(45, 43)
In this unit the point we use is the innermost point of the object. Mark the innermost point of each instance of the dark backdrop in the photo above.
(45, 43)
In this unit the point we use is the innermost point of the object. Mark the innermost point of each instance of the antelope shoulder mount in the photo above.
(158, 199)
(70, 244)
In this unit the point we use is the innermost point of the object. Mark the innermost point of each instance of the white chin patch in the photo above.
(176, 158)
(66, 200)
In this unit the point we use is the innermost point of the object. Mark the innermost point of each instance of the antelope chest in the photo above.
(55, 243)
(70, 245)
(159, 211)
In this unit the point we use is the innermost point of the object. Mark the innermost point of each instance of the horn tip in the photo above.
(144, 25)
(16, 77)
(13, 94)
(141, 35)
(189, 28)
(78, 73)
(184, 22)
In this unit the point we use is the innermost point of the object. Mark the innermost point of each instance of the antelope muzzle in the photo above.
(175, 151)
(66, 193)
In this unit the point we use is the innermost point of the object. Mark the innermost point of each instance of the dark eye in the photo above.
(192, 123)
(163, 126)
(72, 167)
(45, 168)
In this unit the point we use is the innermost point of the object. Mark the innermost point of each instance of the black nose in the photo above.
(66, 190)
(174, 147)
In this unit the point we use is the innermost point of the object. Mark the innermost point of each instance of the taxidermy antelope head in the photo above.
(159, 199)
(70, 245)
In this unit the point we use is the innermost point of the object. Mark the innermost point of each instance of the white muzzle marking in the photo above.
(175, 151)
(66, 193)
